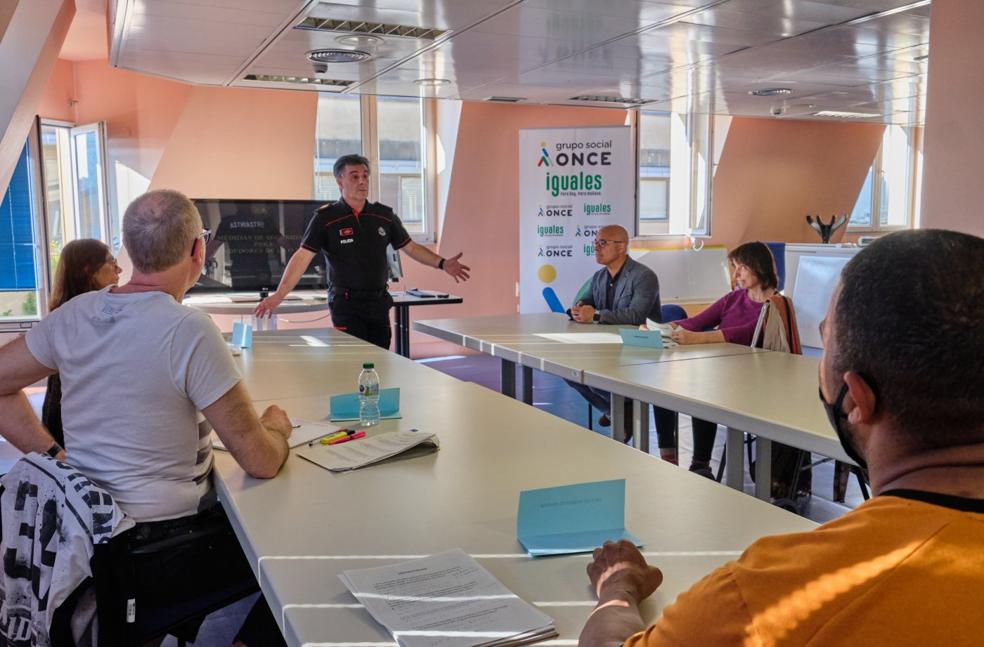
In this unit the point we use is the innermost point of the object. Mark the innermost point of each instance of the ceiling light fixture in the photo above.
(600, 98)
(770, 92)
(304, 80)
(359, 40)
(431, 83)
(338, 56)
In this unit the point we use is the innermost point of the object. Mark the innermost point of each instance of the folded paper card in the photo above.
(242, 335)
(346, 405)
(572, 518)
(635, 337)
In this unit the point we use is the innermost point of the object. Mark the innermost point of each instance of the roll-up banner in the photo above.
(572, 182)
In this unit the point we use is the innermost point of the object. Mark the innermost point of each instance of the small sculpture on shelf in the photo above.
(826, 230)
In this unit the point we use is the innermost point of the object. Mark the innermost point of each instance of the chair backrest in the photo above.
(672, 312)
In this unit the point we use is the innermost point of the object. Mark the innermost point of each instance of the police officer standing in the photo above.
(353, 234)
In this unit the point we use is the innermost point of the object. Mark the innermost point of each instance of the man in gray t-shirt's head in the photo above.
(136, 369)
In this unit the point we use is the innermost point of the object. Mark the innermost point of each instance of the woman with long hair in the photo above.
(84, 265)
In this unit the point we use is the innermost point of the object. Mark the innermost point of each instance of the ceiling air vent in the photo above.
(373, 28)
(507, 99)
(302, 80)
(600, 98)
(337, 56)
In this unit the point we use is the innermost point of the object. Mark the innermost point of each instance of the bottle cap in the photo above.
(368, 365)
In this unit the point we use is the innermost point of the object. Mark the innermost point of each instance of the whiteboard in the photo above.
(686, 275)
(816, 277)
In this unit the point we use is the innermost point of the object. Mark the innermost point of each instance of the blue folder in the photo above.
(636, 337)
(572, 518)
(346, 405)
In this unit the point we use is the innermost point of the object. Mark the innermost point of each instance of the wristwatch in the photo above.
(440, 264)
(596, 318)
(54, 450)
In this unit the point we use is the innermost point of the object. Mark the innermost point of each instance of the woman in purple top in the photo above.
(732, 318)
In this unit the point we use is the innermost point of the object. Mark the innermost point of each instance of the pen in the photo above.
(354, 436)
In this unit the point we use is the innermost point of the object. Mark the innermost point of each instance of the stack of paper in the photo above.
(366, 451)
(665, 330)
(447, 600)
(304, 432)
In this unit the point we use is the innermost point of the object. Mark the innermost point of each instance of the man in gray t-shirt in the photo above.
(136, 369)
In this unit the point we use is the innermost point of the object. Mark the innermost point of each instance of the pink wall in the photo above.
(56, 102)
(773, 172)
(954, 140)
(242, 143)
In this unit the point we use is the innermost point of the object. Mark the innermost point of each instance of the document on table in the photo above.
(446, 600)
(582, 337)
(572, 518)
(366, 451)
(304, 431)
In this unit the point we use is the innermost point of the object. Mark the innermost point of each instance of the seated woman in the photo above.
(84, 265)
(732, 319)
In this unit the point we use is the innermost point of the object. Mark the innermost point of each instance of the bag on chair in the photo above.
(777, 331)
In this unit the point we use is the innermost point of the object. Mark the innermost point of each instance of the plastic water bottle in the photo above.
(368, 395)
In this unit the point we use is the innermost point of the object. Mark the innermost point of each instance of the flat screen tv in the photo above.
(252, 240)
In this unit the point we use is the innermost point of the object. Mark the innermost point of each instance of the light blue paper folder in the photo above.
(346, 405)
(242, 335)
(572, 518)
(646, 338)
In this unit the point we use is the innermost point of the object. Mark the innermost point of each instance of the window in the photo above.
(339, 132)
(19, 278)
(674, 173)
(74, 177)
(891, 188)
(393, 133)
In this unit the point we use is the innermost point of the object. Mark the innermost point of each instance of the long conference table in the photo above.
(301, 529)
(771, 395)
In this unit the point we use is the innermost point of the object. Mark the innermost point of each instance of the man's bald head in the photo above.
(614, 232)
(159, 228)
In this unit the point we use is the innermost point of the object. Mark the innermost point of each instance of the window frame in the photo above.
(913, 177)
(699, 184)
(370, 149)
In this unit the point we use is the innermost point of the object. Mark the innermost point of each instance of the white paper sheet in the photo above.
(365, 451)
(582, 337)
(445, 600)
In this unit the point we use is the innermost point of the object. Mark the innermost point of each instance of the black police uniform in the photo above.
(355, 250)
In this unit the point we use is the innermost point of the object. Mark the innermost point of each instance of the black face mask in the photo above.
(838, 420)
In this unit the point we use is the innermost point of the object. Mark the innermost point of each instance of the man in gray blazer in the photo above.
(623, 292)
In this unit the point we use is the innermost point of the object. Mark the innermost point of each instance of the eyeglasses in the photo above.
(206, 235)
(602, 242)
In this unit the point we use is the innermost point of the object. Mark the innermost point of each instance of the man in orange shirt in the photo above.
(902, 383)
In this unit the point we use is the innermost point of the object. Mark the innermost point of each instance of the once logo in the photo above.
(554, 253)
(544, 155)
(564, 212)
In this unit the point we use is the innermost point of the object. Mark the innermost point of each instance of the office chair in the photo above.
(671, 312)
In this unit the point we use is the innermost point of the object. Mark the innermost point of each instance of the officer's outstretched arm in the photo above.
(292, 274)
(452, 265)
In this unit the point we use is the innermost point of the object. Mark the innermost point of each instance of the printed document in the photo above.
(366, 451)
(446, 600)
(304, 432)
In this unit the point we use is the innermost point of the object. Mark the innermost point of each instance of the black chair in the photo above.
(131, 580)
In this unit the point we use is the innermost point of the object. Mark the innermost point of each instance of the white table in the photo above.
(771, 395)
(304, 527)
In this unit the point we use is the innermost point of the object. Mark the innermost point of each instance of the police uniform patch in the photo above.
(347, 231)
(382, 232)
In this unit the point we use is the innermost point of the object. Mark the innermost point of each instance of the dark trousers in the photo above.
(178, 569)
(704, 432)
(367, 320)
(666, 421)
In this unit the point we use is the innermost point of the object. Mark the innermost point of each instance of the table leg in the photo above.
(527, 385)
(763, 468)
(617, 416)
(734, 472)
(507, 378)
(402, 330)
(640, 425)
